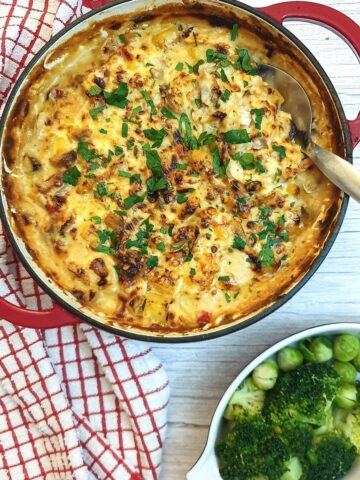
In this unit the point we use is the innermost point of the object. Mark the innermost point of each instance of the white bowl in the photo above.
(206, 468)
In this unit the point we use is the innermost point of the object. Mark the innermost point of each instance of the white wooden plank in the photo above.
(200, 372)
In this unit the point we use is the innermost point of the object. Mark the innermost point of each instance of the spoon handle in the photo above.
(342, 173)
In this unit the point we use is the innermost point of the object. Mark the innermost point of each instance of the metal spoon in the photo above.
(296, 102)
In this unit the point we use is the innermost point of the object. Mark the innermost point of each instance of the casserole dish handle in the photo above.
(327, 17)
(56, 317)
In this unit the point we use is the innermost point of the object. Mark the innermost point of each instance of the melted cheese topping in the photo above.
(156, 178)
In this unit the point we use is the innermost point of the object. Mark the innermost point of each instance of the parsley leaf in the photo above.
(152, 261)
(238, 243)
(117, 97)
(156, 136)
(236, 136)
(84, 150)
(246, 160)
(225, 95)
(280, 151)
(166, 112)
(219, 169)
(266, 256)
(149, 101)
(179, 67)
(72, 176)
(94, 112)
(243, 62)
(181, 198)
(153, 162)
(259, 113)
(94, 90)
(212, 56)
(234, 32)
(132, 200)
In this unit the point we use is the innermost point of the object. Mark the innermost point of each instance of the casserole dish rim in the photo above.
(46, 283)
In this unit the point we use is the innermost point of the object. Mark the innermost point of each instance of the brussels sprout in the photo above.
(317, 349)
(347, 396)
(356, 362)
(346, 370)
(265, 375)
(346, 347)
(289, 359)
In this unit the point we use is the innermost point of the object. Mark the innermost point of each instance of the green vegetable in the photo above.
(72, 176)
(252, 450)
(238, 243)
(166, 112)
(212, 56)
(266, 254)
(117, 97)
(234, 32)
(181, 198)
(247, 400)
(224, 278)
(259, 113)
(356, 362)
(149, 101)
(280, 151)
(192, 272)
(347, 396)
(331, 458)
(94, 112)
(124, 130)
(152, 262)
(84, 150)
(179, 67)
(265, 375)
(161, 247)
(218, 167)
(195, 68)
(289, 359)
(132, 200)
(317, 350)
(225, 95)
(349, 425)
(246, 160)
(304, 395)
(346, 347)
(185, 130)
(122, 38)
(236, 136)
(156, 136)
(153, 162)
(346, 371)
(94, 90)
(294, 470)
(243, 62)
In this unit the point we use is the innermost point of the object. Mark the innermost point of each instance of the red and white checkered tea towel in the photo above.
(75, 403)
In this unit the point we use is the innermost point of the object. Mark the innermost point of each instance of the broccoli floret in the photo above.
(294, 470)
(297, 437)
(247, 401)
(350, 427)
(304, 395)
(331, 458)
(251, 450)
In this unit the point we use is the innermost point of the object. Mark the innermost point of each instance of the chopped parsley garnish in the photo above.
(280, 150)
(223, 76)
(135, 112)
(118, 272)
(166, 112)
(118, 150)
(266, 255)
(224, 278)
(96, 219)
(163, 230)
(152, 262)
(101, 189)
(103, 131)
(117, 97)
(212, 56)
(282, 220)
(122, 38)
(105, 249)
(264, 212)
(121, 213)
(149, 102)
(170, 230)
(94, 90)
(181, 166)
(206, 138)
(160, 246)
(179, 67)
(156, 136)
(192, 272)
(234, 32)
(246, 83)
(236, 136)
(133, 199)
(259, 113)
(243, 62)
(104, 237)
(185, 129)
(198, 103)
(94, 112)
(246, 160)
(219, 169)
(153, 162)
(195, 68)
(84, 150)
(238, 243)
(292, 204)
(124, 130)
(154, 185)
(181, 198)
(227, 297)
(132, 177)
(225, 95)
(72, 176)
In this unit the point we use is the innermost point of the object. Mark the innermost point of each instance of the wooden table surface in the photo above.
(200, 372)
